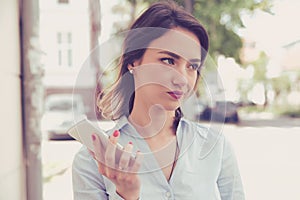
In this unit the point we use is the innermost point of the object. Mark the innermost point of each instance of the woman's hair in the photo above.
(152, 24)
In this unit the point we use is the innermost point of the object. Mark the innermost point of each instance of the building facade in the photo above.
(65, 42)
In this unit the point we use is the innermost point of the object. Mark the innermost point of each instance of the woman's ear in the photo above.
(133, 64)
(130, 66)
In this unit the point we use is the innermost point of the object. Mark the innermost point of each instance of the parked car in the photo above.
(60, 113)
(192, 106)
(222, 111)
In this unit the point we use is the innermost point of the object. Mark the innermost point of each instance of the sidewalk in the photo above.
(267, 119)
(267, 152)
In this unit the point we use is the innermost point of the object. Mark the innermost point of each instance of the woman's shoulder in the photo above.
(209, 136)
(83, 157)
(207, 131)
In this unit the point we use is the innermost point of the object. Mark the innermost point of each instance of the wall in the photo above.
(73, 18)
(12, 168)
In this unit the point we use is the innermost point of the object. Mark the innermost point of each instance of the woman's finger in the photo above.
(101, 168)
(110, 153)
(124, 159)
(92, 153)
(98, 154)
(137, 163)
(115, 136)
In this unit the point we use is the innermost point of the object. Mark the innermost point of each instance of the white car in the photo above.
(61, 112)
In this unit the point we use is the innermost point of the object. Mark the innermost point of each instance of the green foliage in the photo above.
(222, 20)
(260, 67)
(291, 113)
(281, 84)
(128, 11)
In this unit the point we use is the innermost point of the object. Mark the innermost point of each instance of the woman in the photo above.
(174, 158)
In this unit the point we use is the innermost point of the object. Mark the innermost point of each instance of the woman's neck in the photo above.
(153, 121)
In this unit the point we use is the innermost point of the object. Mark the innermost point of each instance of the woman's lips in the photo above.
(175, 94)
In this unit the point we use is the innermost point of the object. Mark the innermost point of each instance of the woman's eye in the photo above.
(194, 66)
(169, 61)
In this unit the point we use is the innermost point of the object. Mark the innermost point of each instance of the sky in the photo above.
(108, 18)
(274, 31)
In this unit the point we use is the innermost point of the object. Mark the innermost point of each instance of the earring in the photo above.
(131, 71)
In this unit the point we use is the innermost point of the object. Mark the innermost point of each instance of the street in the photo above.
(267, 153)
(269, 160)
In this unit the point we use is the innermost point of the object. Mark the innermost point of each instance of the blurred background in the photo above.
(250, 87)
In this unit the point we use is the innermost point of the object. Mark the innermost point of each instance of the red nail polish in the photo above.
(93, 137)
(116, 133)
(129, 142)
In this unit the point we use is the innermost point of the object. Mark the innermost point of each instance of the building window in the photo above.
(65, 51)
(63, 1)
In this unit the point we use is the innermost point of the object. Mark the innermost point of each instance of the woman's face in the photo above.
(167, 72)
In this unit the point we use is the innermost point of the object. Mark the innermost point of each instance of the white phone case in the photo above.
(82, 132)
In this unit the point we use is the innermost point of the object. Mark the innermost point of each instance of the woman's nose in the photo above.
(179, 78)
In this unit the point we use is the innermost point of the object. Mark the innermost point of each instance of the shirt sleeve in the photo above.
(87, 182)
(229, 180)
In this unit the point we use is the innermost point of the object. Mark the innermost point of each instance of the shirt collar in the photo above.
(123, 121)
(184, 123)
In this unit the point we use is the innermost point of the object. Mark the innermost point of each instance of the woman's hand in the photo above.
(123, 174)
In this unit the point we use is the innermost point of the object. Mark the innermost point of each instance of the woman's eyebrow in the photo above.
(194, 60)
(176, 56)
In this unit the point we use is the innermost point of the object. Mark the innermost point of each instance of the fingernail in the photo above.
(116, 133)
(93, 137)
(129, 142)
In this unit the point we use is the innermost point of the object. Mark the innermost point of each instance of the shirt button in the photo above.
(168, 194)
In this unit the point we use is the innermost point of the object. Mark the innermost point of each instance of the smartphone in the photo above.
(82, 132)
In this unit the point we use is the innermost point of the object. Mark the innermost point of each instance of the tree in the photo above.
(222, 19)
(32, 97)
(260, 70)
(95, 30)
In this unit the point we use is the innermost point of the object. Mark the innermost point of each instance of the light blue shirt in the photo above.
(206, 168)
